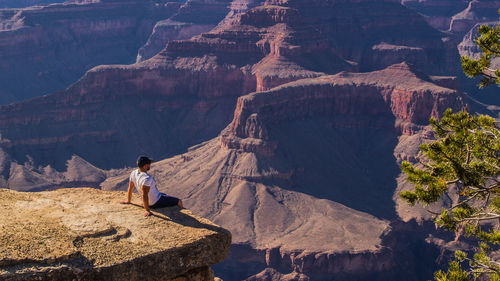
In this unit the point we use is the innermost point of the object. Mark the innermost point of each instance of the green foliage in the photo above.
(489, 42)
(464, 159)
(455, 273)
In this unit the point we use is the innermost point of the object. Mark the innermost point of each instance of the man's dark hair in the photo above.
(143, 160)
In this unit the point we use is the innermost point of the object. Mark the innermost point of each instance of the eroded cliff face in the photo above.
(85, 234)
(45, 49)
(284, 177)
(193, 18)
(476, 11)
(354, 30)
(438, 13)
(186, 94)
(391, 93)
(306, 173)
(189, 89)
(461, 19)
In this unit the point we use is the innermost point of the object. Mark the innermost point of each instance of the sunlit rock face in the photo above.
(86, 234)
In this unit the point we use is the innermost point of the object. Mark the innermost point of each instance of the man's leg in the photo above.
(167, 201)
(180, 203)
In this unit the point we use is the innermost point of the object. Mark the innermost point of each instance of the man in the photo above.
(146, 186)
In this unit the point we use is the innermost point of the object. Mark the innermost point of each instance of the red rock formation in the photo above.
(353, 29)
(308, 167)
(304, 176)
(45, 49)
(194, 83)
(407, 95)
(460, 19)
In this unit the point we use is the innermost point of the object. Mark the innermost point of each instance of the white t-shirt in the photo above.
(139, 179)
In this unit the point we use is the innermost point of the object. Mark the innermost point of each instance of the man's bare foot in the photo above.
(124, 202)
(147, 214)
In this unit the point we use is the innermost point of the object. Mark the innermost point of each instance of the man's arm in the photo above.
(129, 192)
(145, 199)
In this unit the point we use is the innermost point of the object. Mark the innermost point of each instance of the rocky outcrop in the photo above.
(476, 11)
(193, 18)
(45, 49)
(438, 13)
(469, 48)
(85, 234)
(399, 92)
(354, 29)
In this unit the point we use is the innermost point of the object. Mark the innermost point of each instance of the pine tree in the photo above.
(489, 42)
(465, 159)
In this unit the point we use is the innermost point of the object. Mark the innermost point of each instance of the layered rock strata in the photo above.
(407, 95)
(45, 49)
(355, 28)
(254, 50)
(476, 11)
(188, 91)
(193, 18)
(185, 94)
(85, 234)
(305, 175)
(438, 13)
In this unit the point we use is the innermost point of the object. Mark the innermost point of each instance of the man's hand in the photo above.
(147, 213)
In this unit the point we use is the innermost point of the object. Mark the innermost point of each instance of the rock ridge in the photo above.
(398, 92)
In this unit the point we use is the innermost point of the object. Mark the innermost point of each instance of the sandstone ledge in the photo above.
(85, 234)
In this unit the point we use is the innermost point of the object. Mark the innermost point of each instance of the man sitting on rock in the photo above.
(146, 186)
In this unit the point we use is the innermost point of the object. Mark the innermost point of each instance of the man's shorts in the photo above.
(165, 201)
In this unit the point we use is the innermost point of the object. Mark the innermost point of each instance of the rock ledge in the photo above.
(85, 234)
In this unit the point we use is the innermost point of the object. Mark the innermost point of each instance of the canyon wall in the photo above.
(193, 18)
(461, 19)
(188, 91)
(45, 49)
(305, 178)
(288, 121)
